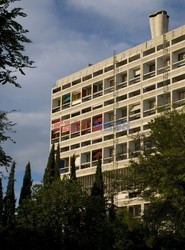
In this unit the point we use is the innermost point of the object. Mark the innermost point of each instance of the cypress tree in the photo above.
(98, 186)
(27, 183)
(73, 169)
(51, 173)
(57, 161)
(9, 201)
(1, 202)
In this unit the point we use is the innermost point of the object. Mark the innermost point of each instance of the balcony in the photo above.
(108, 155)
(97, 123)
(109, 85)
(134, 112)
(85, 160)
(178, 59)
(149, 107)
(86, 93)
(76, 98)
(65, 133)
(56, 105)
(75, 129)
(164, 102)
(108, 121)
(121, 152)
(148, 70)
(163, 64)
(96, 154)
(86, 126)
(178, 98)
(55, 134)
(64, 166)
(121, 114)
(134, 76)
(97, 89)
(121, 81)
(66, 101)
(134, 148)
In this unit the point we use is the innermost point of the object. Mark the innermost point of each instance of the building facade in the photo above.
(96, 111)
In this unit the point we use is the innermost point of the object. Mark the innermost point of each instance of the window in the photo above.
(181, 95)
(86, 91)
(124, 78)
(152, 67)
(111, 150)
(97, 123)
(167, 62)
(181, 56)
(151, 104)
(75, 127)
(96, 154)
(111, 82)
(66, 99)
(97, 87)
(135, 210)
(137, 72)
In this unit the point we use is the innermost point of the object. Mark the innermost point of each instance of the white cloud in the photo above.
(130, 12)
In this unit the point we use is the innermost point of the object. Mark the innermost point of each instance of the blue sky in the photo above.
(67, 35)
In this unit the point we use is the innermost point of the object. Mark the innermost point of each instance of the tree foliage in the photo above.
(1, 202)
(9, 201)
(54, 214)
(73, 169)
(159, 175)
(51, 171)
(12, 40)
(6, 126)
(57, 158)
(98, 185)
(27, 183)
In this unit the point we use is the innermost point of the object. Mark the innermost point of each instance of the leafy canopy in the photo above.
(12, 40)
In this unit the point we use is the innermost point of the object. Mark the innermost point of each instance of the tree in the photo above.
(27, 183)
(9, 201)
(51, 172)
(5, 126)
(96, 222)
(54, 215)
(57, 159)
(159, 176)
(1, 202)
(73, 169)
(98, 185)
(12, 38)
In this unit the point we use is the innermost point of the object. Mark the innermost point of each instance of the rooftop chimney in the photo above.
(159, 23)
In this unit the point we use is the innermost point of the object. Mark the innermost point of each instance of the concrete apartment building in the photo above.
(96, 111)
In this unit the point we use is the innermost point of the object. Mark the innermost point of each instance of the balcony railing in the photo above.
(86, 98)
(108, 125)
(134, 80)
(108, 160)
(98, 94)
(121, 157)
(178, 103)
(178, 64)
(121, 85)
(149, 112)
(109, 90)
(56, 109)
(85, 165)
(64, 170)
(148, 75)
(66, 105)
